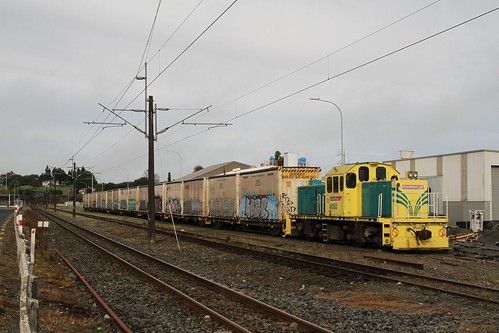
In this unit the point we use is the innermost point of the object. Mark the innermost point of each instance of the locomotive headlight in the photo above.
(411, 175)
(395, 225)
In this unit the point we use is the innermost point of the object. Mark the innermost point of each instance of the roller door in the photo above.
(495, 193)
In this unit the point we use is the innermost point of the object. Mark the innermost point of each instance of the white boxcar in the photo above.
(221, 196)
(131, 197)
(158, 198)
(173, 198)
(270, 193)
(194, 197)
(142, 199)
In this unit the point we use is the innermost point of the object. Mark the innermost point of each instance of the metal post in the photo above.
(55, 195)
(151, 201)
(74, 189)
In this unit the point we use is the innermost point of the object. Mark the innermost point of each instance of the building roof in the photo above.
(216, 169)
(447, 154)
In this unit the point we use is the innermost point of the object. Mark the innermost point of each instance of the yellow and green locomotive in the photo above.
(369, 203)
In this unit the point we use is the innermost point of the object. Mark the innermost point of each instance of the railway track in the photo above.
(330, 266)
(230, 308)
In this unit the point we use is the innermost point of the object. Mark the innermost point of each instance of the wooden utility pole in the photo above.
(151, 200)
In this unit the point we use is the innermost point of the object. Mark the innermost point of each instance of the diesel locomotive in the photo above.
(362, 203)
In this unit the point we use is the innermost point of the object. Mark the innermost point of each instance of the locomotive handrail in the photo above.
(320, 202)
(380, 204)
(438, 205)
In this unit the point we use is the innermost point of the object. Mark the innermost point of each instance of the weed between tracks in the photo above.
(385, 301)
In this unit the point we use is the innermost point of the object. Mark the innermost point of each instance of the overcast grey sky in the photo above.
(60, 59)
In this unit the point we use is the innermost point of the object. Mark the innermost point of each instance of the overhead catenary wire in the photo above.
(297, 70)
(147, 46)
(327, 56)
(329, 77)
(121, 95)
(185, 50)
(171, 63)
(264, 86)
(343, 73)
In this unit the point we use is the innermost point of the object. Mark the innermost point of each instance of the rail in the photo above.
(330, 265)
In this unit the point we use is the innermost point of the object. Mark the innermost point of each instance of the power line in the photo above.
(330, 54)
(366, 63)
(121, 95)
(336, 76)
(141, 63)
(342, 73)
(185, 50)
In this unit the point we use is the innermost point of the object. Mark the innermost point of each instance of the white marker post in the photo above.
(32, 250)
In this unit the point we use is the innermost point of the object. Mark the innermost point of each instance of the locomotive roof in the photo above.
(347, 167)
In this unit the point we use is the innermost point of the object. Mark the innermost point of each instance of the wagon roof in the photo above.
(215, 169)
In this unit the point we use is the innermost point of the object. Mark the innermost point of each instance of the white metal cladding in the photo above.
(491, 161)
(435, 183)
(426, 167)
(451, 182)
(495, 193)
(476, 176)
(403, 166)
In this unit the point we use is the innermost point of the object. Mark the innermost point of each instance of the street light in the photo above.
(342, 152)
(127, 178)
(180, 157)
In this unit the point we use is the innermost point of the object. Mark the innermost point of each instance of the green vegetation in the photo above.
(55, 182)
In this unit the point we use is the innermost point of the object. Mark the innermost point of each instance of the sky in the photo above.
(251, 66)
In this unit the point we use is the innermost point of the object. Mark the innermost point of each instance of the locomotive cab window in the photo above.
(380, 173)
(351, 180)
(329, 184)
(335, 184)
(341, 184)
(363, 174)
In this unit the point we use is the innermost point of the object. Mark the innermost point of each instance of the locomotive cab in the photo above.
(344, 188)
(368, 203)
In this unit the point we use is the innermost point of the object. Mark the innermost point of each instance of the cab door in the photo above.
(341, 195)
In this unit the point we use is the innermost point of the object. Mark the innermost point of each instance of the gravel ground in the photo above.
(343, 304)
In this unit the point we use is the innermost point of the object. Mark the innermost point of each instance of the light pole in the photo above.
(127, 186)
(180, 157)
(342, 152)
(127, 178)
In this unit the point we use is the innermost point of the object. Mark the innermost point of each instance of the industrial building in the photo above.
(470, 179)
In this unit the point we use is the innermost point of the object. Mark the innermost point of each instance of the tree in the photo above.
(197, 168)
(157, 179)
(279, 159)
(59, 174)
